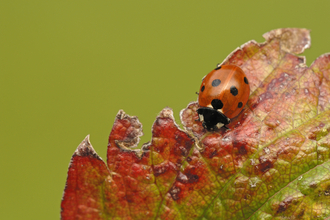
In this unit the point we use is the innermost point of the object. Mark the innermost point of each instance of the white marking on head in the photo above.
(201, 117)
(219, 125)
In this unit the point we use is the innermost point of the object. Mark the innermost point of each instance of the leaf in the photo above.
(273, 163)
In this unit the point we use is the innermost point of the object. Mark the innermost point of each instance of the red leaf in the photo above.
(273, 162)
(86, 176)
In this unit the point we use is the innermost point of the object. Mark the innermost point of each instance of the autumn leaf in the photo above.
(272, 162)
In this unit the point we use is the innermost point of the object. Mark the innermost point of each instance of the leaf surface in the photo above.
(273, 162)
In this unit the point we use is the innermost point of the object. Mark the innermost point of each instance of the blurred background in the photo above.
(67, 67)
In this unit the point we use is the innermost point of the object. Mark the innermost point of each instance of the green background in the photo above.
(67, 67)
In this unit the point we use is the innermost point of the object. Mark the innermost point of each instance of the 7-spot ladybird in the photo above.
(222, 96)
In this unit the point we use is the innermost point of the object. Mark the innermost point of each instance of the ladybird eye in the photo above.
(216, 82)
(202, 89)
(246, 80)
(233, 91)
(240, 104)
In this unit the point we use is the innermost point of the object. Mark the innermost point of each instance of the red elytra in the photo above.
(225, 89)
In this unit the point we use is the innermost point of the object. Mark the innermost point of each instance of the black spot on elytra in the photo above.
(202, 89)
(246, 80)
(216, 82)
(240, 104)
(218, 67)
(233, 91)
(217, 104)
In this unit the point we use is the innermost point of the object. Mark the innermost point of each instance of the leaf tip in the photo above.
(85, 149)
(126, 134)
(293, 40)
(167, 112)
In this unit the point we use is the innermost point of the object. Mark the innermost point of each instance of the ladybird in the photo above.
(222, 96)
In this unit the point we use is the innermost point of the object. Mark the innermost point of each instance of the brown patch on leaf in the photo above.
(175, 193)
(164, 167)
(284, 205)
(264, 165)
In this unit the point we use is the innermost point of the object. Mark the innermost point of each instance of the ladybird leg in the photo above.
(226, 127)
(204, 125)
(201, 117)
(197, 93)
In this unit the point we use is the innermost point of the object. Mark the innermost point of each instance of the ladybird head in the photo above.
(212, 119)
